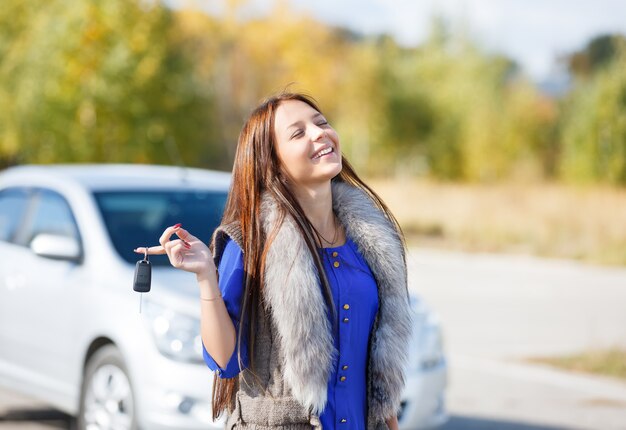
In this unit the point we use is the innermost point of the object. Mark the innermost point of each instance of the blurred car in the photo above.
(71, 333)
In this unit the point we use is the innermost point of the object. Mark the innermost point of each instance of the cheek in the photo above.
(289, 154)
(334, 136)
(294, 159)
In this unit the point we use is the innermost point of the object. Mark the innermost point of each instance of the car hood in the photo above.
(173, 288)
(174, 281)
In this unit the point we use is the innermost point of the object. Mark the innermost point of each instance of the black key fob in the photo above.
(143, 276)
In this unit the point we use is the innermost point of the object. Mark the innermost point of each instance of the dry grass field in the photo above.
(610, 362)
(549, 220)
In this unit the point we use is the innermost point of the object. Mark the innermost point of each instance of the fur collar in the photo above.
(295, 300)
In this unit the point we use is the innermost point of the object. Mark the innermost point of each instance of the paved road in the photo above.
(496, 310)
(22, 413)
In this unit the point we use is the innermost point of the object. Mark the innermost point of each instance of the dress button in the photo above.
(346, 320)
(346, 306)
(336, 264)
(344, 367)
(335, 254)
(343, 420)
(343, 378)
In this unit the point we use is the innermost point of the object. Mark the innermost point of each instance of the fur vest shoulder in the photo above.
(292, 375)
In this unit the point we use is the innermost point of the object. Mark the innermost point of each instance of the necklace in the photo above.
(334, 235)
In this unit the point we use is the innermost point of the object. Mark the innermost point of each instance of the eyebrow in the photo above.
(298, 122)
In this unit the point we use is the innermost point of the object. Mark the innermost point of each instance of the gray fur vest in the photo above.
(293, 374)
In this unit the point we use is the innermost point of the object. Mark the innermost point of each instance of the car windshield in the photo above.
(138, 218)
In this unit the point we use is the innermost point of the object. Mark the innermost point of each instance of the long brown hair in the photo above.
(257, 170)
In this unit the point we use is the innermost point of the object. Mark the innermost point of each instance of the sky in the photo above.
(532, 32)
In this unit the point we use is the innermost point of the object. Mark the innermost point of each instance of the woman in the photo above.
(309, 322)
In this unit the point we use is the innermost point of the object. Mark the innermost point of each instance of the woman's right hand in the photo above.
(186, 253)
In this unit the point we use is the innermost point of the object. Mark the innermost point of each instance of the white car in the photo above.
(71, 331)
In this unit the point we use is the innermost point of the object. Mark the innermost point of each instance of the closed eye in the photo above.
(297, 133)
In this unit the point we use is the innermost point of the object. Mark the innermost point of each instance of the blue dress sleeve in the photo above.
(231, 278)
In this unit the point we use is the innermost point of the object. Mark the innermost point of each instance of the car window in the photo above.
(51, 214)
(13, 203)
(138, 218)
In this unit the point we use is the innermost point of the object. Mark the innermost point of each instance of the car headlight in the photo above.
(177, 336)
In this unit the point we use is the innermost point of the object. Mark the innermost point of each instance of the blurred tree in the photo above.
(529, 132)
(598, 52)
(594, 127)
(126, 80)
(99, 81)
(244, 60)
(240, 61)
(456, 113)
(359, 106)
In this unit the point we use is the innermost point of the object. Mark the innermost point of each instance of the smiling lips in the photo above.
(322, 152)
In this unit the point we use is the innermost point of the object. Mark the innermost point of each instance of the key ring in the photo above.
(145, 250)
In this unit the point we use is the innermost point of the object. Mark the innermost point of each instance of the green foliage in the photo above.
(134, 81)
(458, 114)
(96, 81)
(598, 53)
(594, 129)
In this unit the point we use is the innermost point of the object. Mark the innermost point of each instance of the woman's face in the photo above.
(307, 146)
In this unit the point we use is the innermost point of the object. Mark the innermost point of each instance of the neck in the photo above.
(317, 204)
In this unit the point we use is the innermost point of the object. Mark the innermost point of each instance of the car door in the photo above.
(41, 312)
(14, 202)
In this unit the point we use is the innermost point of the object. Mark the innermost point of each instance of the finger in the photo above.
(185, 236)
(176, 252)
(172, 244)
(153, 250)
(165, 237)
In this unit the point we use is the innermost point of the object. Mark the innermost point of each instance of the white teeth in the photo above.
(324, 152)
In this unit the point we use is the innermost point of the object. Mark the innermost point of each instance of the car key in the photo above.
(143, 277)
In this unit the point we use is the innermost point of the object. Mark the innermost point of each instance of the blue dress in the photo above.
(355, 296)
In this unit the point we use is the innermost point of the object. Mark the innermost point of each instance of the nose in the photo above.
(318, 132)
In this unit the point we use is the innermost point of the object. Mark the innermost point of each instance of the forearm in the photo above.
(216, 327)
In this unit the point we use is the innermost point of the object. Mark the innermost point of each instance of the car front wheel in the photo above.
(106, 401)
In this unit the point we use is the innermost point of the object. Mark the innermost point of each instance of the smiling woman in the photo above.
(309, 321)
(304, 135)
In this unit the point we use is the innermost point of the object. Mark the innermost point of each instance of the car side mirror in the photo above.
(56, 246)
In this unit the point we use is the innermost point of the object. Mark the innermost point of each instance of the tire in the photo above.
(107, 401)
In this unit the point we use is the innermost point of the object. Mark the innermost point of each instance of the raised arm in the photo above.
(190, 254)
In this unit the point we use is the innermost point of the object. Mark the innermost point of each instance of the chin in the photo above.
(334, 172)
(322, 177)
